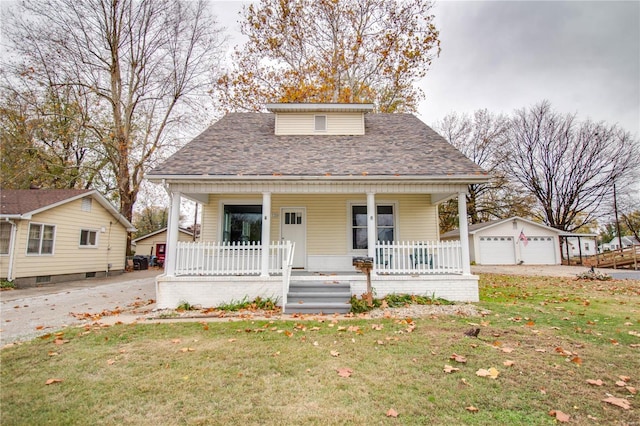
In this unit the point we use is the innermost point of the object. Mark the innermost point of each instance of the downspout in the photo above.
(12, 242)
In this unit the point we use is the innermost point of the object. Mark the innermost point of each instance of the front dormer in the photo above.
(319, 119)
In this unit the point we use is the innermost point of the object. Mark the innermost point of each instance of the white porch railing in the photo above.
(418, 257)
(223, 258)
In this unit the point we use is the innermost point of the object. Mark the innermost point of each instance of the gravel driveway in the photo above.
(27, 313)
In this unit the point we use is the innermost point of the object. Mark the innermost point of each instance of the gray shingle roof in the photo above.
(245, 144)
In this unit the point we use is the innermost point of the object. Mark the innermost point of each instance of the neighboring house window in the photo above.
(321, 123)
(586, 246)
(242, 223)
(86, 204)
(40, 239)
(5, 237)
(88, 238)
(384, 220)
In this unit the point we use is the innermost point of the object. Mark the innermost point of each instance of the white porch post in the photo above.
(371, 225)
(464, 232)
(266, 232)
(171, 249)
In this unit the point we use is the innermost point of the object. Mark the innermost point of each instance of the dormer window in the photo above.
(321, 123)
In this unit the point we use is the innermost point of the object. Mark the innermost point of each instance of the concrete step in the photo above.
(317, 308)
(318, 287)
(318, 297)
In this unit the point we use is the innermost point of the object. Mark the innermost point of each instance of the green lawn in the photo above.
(555, 334)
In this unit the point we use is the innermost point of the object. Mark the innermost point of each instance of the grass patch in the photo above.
(6, 285)
(558, 333)
(267, 304)
(395, 300)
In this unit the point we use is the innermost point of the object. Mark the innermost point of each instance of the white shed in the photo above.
(511, 241)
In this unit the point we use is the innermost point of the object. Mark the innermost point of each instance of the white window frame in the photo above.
(351, 204)
(89, 246)
(315, 124)
(53, 242)
(10, 226)
(231, 202)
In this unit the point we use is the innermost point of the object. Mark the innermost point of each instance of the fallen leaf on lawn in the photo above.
(345, 372)
(621, 383)
(231, 340)
(507, 350)
(60, 342)
(543, 391)
(541, 350)
(52, 381)
(624, 378)
(635, 333)
(288, 333)
(464, 382)
(563, 352)
(450, 369)
(377, 326)
(334, 353)
(560, 416)
(618, 402)
(631, 390)
(40, 327)
(175, 341)
(458, 358)
(392, 413)
(508, 363)
(471, 409)
(52, 353)
(595, 382)
(111, 361)
(491, 373)
(530, 324)
(576, 360)
(187, 349)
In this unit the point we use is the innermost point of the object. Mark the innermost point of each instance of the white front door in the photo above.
(294, 228)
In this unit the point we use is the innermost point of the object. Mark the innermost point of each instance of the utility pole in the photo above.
(615, 209)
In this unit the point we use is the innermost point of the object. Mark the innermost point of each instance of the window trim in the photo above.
(53, 242)
(227, 202)
(393, 203)
(89, 246)
(10, 238)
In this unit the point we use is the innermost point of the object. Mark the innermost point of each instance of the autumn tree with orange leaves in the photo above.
(331, 51)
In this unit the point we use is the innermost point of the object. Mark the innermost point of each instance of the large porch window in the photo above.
(385, 224)
(242, 223)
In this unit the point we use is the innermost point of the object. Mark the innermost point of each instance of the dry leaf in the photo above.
(377, 326)
(472, 409)
(335, 353)
(392, 413)
(560, 416)
(595, 382)
(450, 369)
(576, 360)
(621, 383)
(507, 350)
(175, 341)
(458, 358)
(491, 373)
(52, 381)
(345, 372)
(631, 390)
(111, 361)
(508, 363)
(187, 349)
(288, 333)
(618, 402)
(624, 378)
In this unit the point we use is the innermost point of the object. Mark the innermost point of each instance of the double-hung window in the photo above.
(88, 238)
(385, 225)
(5, 237)
(40, 238)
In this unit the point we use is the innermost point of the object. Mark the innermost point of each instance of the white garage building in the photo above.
(511, 241)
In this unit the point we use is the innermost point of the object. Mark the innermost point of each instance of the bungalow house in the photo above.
(154, 243)
(53, 235)
(615, 243)
(290, 197)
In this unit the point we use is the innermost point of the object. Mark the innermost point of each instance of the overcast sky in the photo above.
(582, 56)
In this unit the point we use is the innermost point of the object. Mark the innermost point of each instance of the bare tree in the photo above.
(570, 167)
(480, 138)
(143, 67)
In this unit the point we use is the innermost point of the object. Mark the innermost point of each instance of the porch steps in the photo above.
(309, 297)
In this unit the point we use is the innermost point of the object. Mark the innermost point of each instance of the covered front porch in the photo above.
(306, 246)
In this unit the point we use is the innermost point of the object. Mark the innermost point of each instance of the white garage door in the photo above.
(497, 251)
(538, 251)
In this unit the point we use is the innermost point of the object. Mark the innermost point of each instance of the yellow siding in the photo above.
(328, 227)
(144, 246)
(68, 257)
(304, 124)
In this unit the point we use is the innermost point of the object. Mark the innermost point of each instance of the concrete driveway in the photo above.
(28, 313)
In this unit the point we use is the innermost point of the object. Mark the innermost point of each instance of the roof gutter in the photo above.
(474, 178)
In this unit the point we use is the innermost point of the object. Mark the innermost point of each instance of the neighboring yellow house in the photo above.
(289, 199)
(54, 235)
(148, 245)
